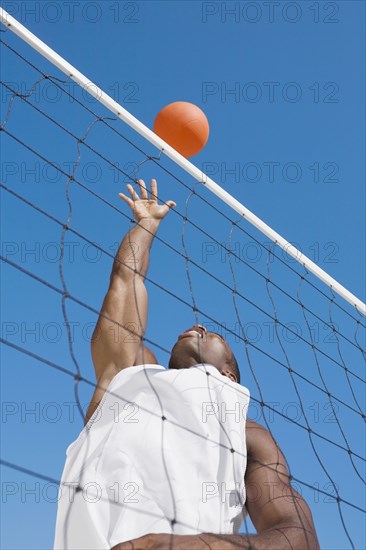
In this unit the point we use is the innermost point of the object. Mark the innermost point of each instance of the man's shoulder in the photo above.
(259, 439)
(252, 425)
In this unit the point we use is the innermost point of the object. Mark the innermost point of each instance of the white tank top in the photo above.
(165, 452)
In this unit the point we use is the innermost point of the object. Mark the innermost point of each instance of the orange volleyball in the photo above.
(184, 126)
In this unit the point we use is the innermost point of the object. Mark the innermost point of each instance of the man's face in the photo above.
(197, 345)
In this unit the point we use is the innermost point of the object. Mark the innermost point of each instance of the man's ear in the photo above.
(229, 374)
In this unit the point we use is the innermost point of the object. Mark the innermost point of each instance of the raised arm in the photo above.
(117, 338)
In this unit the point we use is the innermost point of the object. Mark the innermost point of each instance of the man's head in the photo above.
(197, 345)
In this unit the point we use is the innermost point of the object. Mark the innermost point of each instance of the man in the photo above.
(281, 517)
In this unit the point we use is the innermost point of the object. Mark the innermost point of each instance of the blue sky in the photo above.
(283, 89)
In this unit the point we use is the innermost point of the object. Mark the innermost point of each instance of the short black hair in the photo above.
(235, 367)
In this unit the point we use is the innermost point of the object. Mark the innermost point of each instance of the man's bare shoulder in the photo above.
(254, 429)
(260, 442)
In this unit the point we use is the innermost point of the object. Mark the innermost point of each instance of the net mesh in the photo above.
(300, 349)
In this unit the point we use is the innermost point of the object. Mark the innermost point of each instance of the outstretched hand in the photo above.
(144, 207)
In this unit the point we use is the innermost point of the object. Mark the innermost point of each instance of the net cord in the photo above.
(12, 24)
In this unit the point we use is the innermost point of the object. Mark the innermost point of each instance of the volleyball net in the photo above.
(297, 333)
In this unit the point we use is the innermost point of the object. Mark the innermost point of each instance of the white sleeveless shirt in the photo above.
(165, 452)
